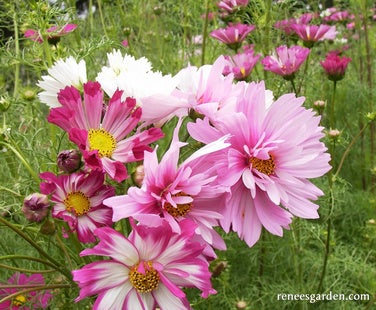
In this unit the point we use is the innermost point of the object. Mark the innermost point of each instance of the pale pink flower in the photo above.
(273, 152)
(287, 60)
(233, 35)
(27, 301)
(232, 5)
(53, 33)
(77, 199)
(172, 192)
(103, 137)
(145, 270)
(310, 34)
(241, 64)
(335, 66)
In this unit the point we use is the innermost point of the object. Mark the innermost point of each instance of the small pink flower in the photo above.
(310, 34)
(28, 301)
(241, 64)
(231, 5)
(335, 66)
(103, 137)
(53, 33)
(125, 43)
(145, 270)
(287, 61)
(286, 24)
(77, 199)
(233, 35)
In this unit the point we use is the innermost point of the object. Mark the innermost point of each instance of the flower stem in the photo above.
(332, 118)
(205, 34)
(23, 270)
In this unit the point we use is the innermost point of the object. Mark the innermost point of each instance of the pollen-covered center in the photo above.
(77, 203)
(265, 166)
(180, 209)
(103, 141)
(19, 300)
(143, 277)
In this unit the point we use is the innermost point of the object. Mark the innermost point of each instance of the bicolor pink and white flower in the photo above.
(241, 64)
(233, 35)
(145, 270)
(103, 132)
(25, 301)
(53, 33)
(274, 151)
(232, 5)
(63, 73)
(172, 192)
(286, 61)
(78, 200)
(310, 34)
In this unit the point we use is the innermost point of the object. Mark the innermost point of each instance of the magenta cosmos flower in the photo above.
(310, 34)
(172, 192)
(145, 270)
(233, 35)
(26, 301)
(241, 64)
(232, 5)
(78, 200)
(335, 66)
(274, 150)
(287, 60)
(53, 33)
(104, 141)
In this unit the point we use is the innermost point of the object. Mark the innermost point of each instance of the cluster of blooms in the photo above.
(251, 171)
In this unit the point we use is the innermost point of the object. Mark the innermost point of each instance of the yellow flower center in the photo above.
(19, 300)
(242, 71)
(265, 166)
(77, 203)
(146, 281)
(103, 141)
(180, 209)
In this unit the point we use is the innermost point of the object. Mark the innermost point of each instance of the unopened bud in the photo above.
(219, 268)
(29, 94)
(69, 161)
(35, 207)
(241, 304)
(48, 228)
(139, 175)
(334, 133)
(371, 116)
(319, 103)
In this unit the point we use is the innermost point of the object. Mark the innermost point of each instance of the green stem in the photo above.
(35, 259)
(17, 54)
(23, 270)
(205, 34)
(332, 118)
(102, 18)
(56, 265)
(293, 87)
(23, 160)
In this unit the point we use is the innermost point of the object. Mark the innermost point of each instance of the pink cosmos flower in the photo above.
(103, 140)
(287, 61)
(145, 270)
(231, 5)
(310, 34)
(335, 66)
(26, 301)
(273, 152)
(78, 201)
(241, 64)
(286, 24)
(339, 16)
(172, 192)
(53, 33)
(233, 35)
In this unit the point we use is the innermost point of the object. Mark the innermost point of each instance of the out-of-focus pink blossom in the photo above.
(53, 33)
(231, 5)
(241, 64)
(335, 66)
(310, 34)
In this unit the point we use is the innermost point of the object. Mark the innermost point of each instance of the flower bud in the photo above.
(48, 228)
(35, 207)
(69, 161)
(319, 103)
(334, 133)
(241, 304)
(139, 175)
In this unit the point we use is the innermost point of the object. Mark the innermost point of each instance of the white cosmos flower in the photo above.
(63, 73)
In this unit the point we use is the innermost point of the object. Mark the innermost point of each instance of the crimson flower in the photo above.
(335, 66)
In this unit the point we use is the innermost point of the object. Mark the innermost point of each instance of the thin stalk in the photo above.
(17, 54)
(332, 118)
(30, 289)
(19, 232)
(26, 270)
(35, 259)
(205, 34)
(102, 18)
(293, 86)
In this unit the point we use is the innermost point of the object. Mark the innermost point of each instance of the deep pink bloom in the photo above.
(241, 64)
(104, 141)
(274, 150)
(232, 5)
(172, 192)
(28, 301)
(287, 61)
(145, 270)
(78, 200)
(335, 66)
(233, 35)
(310, 34)
(53, 33)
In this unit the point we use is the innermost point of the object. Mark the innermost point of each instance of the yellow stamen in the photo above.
(103, 141)
(144, 282)
(19, 300)
(265, 166)
(180, 209)
(77, 203)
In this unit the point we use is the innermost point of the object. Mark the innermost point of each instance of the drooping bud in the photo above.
(35, 207)
(139, 175)
(69, 161)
